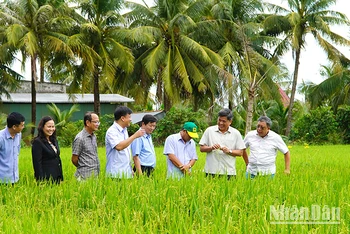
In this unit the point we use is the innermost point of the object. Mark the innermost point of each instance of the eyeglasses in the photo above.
(96, 122)
(260, 126)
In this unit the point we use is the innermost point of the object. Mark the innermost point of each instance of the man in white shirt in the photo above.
(118, 144)
(180, 150)
(223, 144)
(263, 144)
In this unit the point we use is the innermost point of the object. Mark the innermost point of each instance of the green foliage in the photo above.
(105, 122)
(174, 120)
(318, 127)
(66, 133)
(3, 118)
(62, 117)
(133, 128)
(343, 119)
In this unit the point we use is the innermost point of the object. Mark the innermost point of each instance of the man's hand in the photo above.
(215, 146)
(185, 169)
(140, 133)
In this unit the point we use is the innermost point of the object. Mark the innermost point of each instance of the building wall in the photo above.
(42, 110)
(26, 87)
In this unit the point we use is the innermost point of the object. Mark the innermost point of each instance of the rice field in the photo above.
(313, 199)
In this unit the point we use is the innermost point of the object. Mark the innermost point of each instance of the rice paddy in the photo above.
(319, 181)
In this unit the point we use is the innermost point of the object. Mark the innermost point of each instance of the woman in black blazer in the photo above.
(46, 152)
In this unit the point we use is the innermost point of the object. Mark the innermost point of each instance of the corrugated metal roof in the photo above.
(137, 117)
(64, 98)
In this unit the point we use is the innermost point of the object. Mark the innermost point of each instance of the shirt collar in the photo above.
(180, 138)
(228, 130)
(267, 134)
(120, 128)
(7, 133)
(87, 133)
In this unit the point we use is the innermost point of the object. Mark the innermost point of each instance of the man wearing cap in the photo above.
(180, 150)
(223, 144)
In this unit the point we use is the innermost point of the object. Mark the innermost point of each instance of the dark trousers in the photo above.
(229, 177)
(146, 169)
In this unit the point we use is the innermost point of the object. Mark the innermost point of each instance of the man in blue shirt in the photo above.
(118, 144)
(143, 149)
(10, 144)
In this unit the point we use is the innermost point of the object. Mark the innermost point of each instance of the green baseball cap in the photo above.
(191, 129)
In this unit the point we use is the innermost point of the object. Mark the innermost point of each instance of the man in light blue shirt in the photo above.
(10, 144)
(118, 144)
(143, 149)
(180, 150)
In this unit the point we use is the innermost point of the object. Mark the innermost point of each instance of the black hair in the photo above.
(149, 119)
(226, 113)
(14, 118)
(41, 133)
(121, 111)
(87, 116)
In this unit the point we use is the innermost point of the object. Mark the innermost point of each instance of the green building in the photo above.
(55, 93)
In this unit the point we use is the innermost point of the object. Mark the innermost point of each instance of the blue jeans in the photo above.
(252, 176)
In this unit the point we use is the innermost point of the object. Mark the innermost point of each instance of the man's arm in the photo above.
(137, 165)
(75, 159)
(177, 163)
(123, 144)
(232, 152)
(287, 162)
(245, 157)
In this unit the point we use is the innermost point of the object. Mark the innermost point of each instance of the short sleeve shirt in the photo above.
(118, 162)
(217, 162)
(143, 148)
(85, 146)
(185, 152)
(9, 153)
(263, 151)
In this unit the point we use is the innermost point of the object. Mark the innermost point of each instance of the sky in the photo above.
(312, 57)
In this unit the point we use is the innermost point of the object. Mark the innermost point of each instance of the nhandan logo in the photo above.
(315, 214)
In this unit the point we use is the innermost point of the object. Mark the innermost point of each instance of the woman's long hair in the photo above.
(41, 133)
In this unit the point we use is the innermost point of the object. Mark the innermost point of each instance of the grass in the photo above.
(319, 176)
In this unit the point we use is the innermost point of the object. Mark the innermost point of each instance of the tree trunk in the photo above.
(42, 72)
(97, 106)
(250, 109)
(292, 96)
(166, 102)
(34, 77)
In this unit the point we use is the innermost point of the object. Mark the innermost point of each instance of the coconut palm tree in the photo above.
(236, 30)
(334, 90)
(99, 26)
(220, 34)
(180, 67)
(292, 24)
(30, 30)
(9, 79)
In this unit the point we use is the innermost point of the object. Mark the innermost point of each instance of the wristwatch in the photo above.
(230, 152)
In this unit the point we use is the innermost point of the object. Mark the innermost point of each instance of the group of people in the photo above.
(221, 143)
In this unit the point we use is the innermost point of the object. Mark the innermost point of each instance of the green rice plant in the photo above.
(194, 204)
